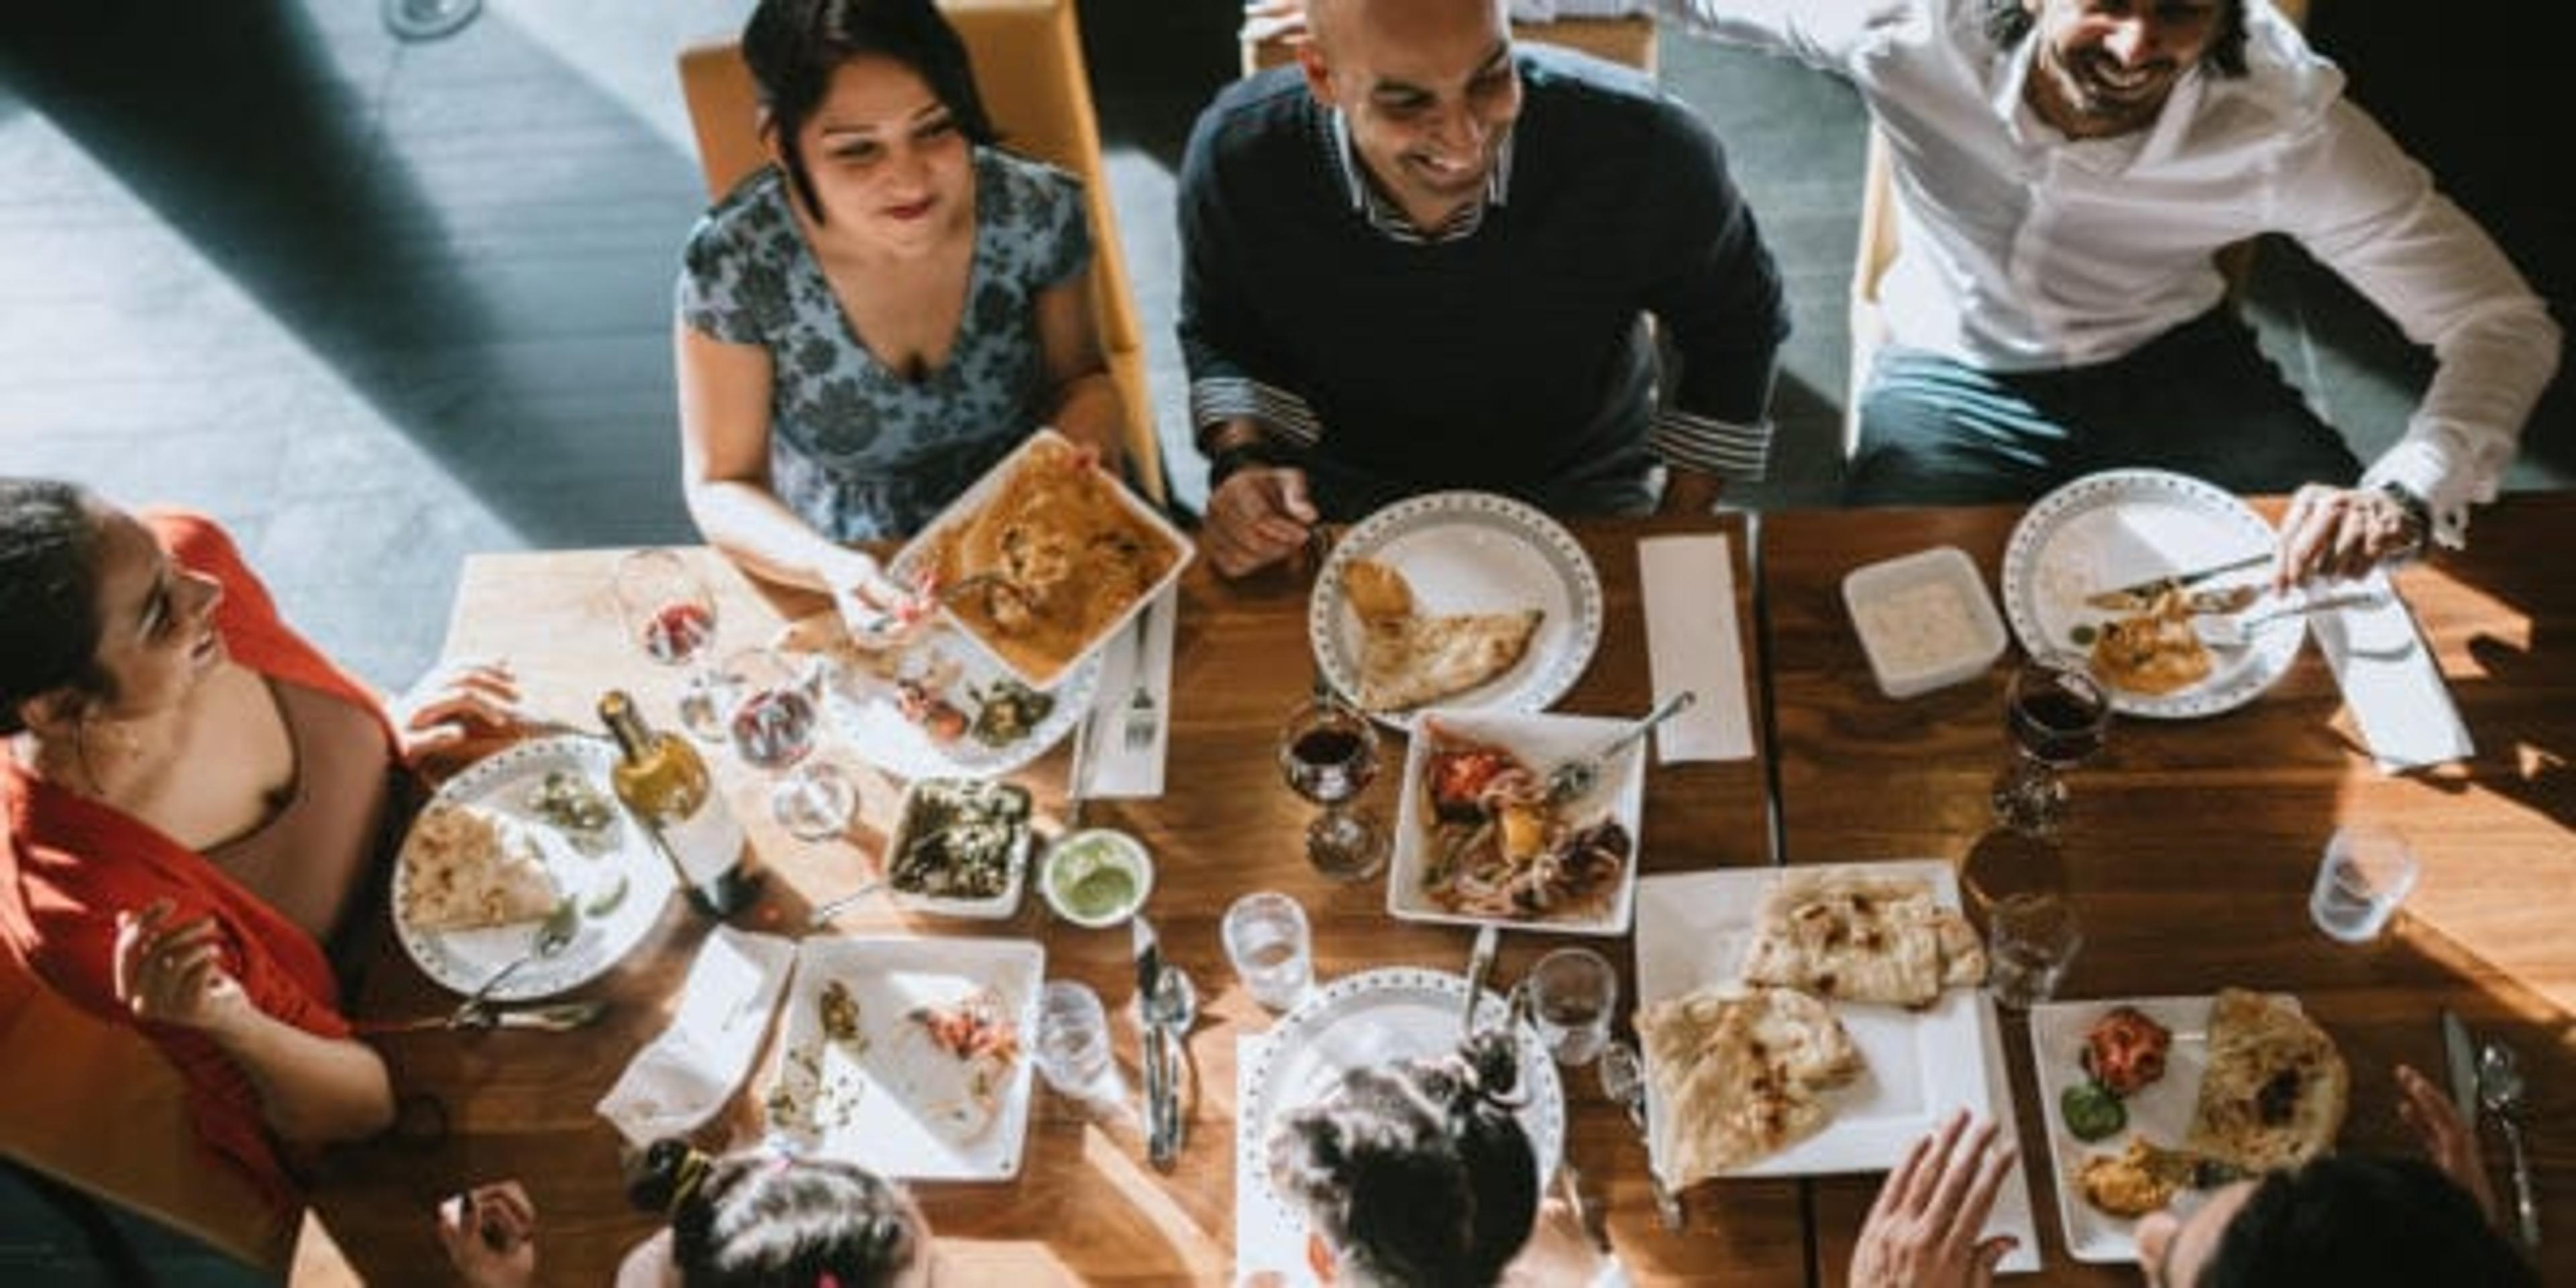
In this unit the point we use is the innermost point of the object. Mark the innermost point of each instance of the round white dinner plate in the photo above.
(868, 710)
(612, 923)
(2121, 527)
(1469, 552)
(1378, 1017)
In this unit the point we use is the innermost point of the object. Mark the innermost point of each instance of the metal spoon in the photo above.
(2500, 1090)
(1173, 1008)
(830, 908)
(553, 935)
(1574, 779)
(1623, 1079)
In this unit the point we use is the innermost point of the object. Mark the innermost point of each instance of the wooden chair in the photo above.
(94, 1106)
(1878, 248)
(1029, 69)
(1629, 40)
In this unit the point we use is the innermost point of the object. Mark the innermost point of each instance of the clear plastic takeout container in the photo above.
(1924, 619)
(913, 815)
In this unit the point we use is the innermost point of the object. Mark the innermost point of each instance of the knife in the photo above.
(2131, 595)
(2460, 1053)
(1149, 977)
(550, 1017)
(1480, 963)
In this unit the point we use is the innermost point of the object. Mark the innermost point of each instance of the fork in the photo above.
(1142, 718)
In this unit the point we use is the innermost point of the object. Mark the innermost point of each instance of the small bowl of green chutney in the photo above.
(1096, 878)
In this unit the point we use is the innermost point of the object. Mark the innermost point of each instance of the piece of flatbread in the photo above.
(1862, 938)
(1409, 658)
(1741, 1075)
(952, 1064)
(465, 868)
(2276, 1089)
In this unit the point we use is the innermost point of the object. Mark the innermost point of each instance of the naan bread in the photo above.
(1409, 658)
(2276, 1089)
(466, 868)
(2154, 653)
(1741, 1075)
(1862, 938)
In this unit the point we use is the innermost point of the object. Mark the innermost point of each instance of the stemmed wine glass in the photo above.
(671, 615)
(1328, 753)
(773, 715)
(2058, 717)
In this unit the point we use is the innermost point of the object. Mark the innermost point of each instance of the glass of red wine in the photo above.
(2057, 717)
(671, 615)
(774, 714)
(1328, 753)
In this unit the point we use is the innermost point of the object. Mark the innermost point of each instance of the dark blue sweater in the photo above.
(1515, 355)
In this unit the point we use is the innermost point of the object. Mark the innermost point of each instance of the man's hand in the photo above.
(1258, 516)
(1922, 1231)
(2340, 532)
(2449, 1143)
(1689, 492)
(490, 1233)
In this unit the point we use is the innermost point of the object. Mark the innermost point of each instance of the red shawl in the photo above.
(68, 864)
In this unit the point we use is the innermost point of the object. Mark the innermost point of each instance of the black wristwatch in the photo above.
(2419, 516)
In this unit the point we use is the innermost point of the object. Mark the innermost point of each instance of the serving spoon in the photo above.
(1574, 779)
(2500, 1089)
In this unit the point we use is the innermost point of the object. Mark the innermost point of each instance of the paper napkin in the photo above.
(684, 1075)
(1117, 769)
(2390, 682)
(1692, 643)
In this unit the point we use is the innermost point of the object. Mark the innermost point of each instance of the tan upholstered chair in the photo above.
(1878, 247)
(93, 1105)
(1629, 40)
(1028, 64)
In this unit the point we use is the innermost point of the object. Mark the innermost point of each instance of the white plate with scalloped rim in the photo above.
(1469, 552)
(624, 878)
(2121, 527)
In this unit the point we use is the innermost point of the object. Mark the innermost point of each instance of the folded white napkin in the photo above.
(2390, 682)
(1692, 643)
(1264, 1240)
(1117, 769)
(685, 1074)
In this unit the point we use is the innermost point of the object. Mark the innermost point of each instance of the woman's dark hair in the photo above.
(2007, 21)
(794, 46)
(1418, 1174)
(763, 1218)
(2362, 1222)
(48, 593)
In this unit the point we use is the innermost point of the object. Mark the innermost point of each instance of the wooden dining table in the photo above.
(2191, 844)
(1085, 1206)
(2188, 855)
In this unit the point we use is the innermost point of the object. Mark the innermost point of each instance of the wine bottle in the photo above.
(666, 786)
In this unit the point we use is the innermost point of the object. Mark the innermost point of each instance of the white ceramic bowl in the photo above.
(1076, 853)
(1924, 619)
(908, 819)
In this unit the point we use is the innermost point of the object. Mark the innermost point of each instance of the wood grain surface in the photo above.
(1085, 1207)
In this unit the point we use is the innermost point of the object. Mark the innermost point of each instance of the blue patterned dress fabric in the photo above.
(858, 450)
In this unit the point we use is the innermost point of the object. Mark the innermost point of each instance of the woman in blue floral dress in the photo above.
(874, 320)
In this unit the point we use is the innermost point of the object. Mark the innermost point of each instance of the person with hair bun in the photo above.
(1419, 1175)
(751, 1219)
(194, 802)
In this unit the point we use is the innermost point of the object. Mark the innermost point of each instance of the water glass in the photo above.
(1572, 992)
(1267, 940)
(2367, 871)
(2030, 941)
(1072, 1047)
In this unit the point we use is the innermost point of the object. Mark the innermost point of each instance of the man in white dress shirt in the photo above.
(2064, 171)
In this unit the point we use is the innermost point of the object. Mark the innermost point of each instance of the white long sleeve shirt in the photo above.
(2021, 249)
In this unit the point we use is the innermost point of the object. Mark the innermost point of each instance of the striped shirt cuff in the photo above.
(1217, 399)
(1714, 446)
